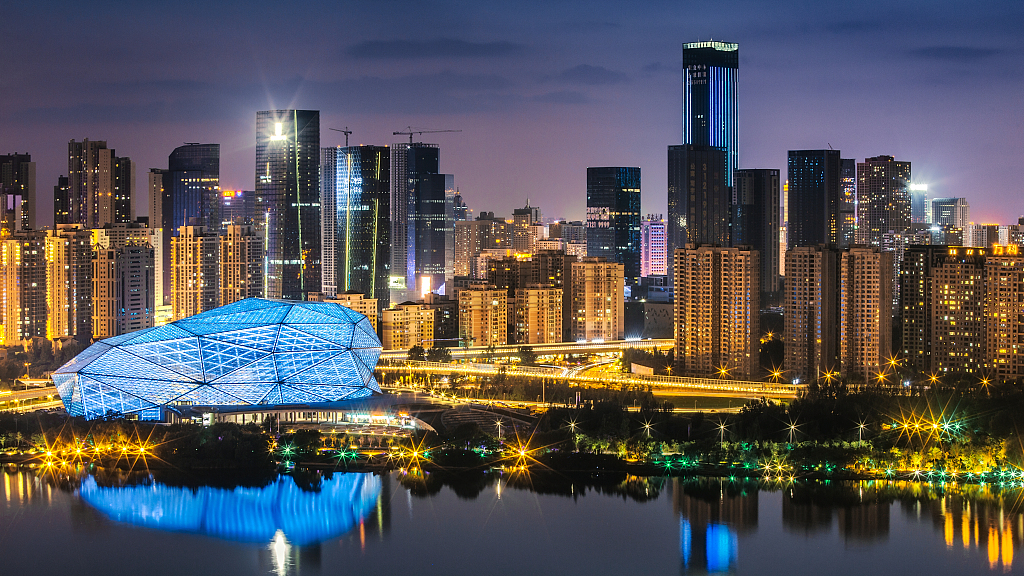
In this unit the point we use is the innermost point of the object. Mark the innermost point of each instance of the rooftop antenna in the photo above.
(346, 132)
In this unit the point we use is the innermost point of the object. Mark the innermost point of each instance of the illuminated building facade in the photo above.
(123, 294)
(355, 196)
(239, 207)
(883, 198)
(710, 106)
(23, 269)
(523, 219)
(865, 311)
(195, 271)
(241, 264)
(18, 176)
(699, 197)
(1004, 309)
(596, 305)
(288, 200)
(358, 302)
(538, 315)
(422, 222)
(813, 197)
(474, 236)
(811, 334)
(613, 218)
(69, 282)
(121, 234)
(254, 352)
(100, 185)
(755, 223)
(717, 322)
(847, 202)
(406, 325)
(652, 246)
(955, 212)
(483, 317)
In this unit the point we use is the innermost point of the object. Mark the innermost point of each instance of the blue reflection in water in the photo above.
(243, 514)
(720, 547)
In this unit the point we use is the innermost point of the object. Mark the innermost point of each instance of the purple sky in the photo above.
(539, 90)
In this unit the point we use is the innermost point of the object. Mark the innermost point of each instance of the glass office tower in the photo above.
(288, 199)
(710, 108)
(356, 234)
(814, 197)
(756, 224)
(613, 218)
(698, 197)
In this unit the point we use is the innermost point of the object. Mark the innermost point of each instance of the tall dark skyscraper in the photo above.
(422, 222)
(710, 108)
(62, 201)
(101, 185)
(814, 197)
(756, 224)
(288, 197)
(18, 176)
(847, 202)
(883, 193)
(613, 218)
(356, 236)
(699, 199)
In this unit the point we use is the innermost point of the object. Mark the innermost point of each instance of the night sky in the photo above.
(540, 91)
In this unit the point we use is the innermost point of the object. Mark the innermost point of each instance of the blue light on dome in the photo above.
(254, 352)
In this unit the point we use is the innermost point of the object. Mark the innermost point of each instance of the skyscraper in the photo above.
(23, 287)
(847, 202)
(195, 271)
(522, 234)
(69, 282)
(356, 209)
(756, 224)
(699, 198)
(241, 264)
(288, 198)
(422, 221)
(597, 309)
(814, 197)
(883, 195)
(101, 185)
(865, 311)
(811, 334)
(955, 212)
(123, 290)
(18, 176)
(192, 188)
(652, 246)
(62, 201)
(710, 108)
(613, 218)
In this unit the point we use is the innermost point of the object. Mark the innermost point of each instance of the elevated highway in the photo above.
(541, 350)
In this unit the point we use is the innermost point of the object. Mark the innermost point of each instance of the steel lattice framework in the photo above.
(252, 352)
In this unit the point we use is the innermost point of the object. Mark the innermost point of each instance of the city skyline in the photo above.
(543, 90)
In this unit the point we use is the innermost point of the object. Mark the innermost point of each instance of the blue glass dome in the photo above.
(253, 352)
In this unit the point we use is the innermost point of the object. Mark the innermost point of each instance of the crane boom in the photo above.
(346, 132)
(410, 132)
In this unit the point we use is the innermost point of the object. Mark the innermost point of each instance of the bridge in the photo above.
(31, 399)
(677, 385)
(541, 350)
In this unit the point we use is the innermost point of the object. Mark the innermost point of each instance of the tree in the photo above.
(416, 353)
(439, 354)
(527, 356)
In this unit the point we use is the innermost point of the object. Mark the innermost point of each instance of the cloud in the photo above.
(439, 48)
(954, 53)
(561, 97)
(590, 75)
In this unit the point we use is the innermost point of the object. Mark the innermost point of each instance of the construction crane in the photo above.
(410, 132)
(346, 132)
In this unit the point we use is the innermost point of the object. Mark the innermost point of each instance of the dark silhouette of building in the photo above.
(699, 199)
(756, 224)
(18, 176)
(814, 197)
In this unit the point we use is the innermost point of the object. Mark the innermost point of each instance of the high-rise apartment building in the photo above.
(357, 302)
(62, 201)
(355, 197)
(195, 271)
(101, 185)
(474, 236)
(883, 198)
(847, 202)
(717, 322)
(406, 325)
(699, 197)
(710, 107)
(422, 222)
(123, 293)
(23, 271)
(483, 317)
(756, 224)
(241, 264)
(613, 218)
(813, 197)
(1004, 309)
(955, 212)
(653, 255)
(10, 212)
(288, 199)
(18, 176)
(597, 307)
(865, 311)
(69, 282)
(538, 315)
(811, 334)
(523, 237)
(115, 236)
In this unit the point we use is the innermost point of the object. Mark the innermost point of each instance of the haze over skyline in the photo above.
(539, 91)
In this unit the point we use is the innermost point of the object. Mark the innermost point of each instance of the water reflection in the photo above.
(713, 513)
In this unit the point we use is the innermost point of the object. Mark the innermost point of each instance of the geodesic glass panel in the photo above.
(252, 352)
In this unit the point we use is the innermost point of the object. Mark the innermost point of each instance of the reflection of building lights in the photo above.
(280, 548)
(278, 131)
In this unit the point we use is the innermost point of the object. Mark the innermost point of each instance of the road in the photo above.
(559, 348)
